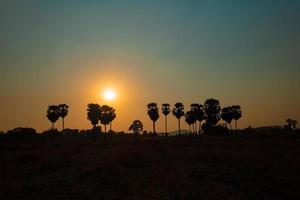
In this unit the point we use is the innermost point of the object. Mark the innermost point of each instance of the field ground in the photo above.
(208, 167)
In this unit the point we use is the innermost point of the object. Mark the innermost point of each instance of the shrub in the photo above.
(21, 131)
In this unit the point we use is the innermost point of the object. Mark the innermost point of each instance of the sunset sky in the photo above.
(164, 51)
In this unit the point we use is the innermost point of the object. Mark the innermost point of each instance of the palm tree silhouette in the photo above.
(178, 112)
(153, 113)
(166, 110)
(227, 115)
(63, 112)
(197, 109)
(93, 113)
(237, 114)
(190, 118)
(212, 111)
(112, 116)
(291, 124)
(53, 114)
(136, 127)
(105, 115)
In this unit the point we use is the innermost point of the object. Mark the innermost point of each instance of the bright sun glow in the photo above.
(109, 94)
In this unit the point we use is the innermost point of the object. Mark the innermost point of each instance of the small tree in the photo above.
(227, 115)
(136, 127)
(153, 113)
(237, 114)
(212, 115)
(105, 115)
(63, 112)
(53, 114)
(166, 110)
(112, 116)
(190, 118)
(93, 114)
(197, 109)
(291, 124)
(178, 112)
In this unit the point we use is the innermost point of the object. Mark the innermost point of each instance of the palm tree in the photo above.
(178, 112)
(63, 112)
(105, 115)
(190, 118)
(53, 114)
(291, 124)
(136, 127)
(166, 110)
(237, 114)
(153, 113)
(112, 116)
(198, 110)
(93, 113)
(227, 115)
(212, 111)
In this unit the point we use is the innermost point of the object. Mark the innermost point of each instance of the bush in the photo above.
(214, 130)
(21, 131)
(95, 131)
(51, 132)
(71, 132)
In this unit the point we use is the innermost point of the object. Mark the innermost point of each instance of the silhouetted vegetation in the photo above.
(136, 127)
(54, 112)
(166, 111)
(190, 119)
(227, 115)
(63, 112)
(237, 114)
(21, 131)
(178, 112)
(105, 114)
(197, 109)
(153, 114)
(93, 114)
(291, 124)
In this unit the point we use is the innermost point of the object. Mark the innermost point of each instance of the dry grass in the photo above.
(235, 167)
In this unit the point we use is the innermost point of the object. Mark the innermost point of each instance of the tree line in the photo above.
(210, 113)
(95, 114)
(200, 118)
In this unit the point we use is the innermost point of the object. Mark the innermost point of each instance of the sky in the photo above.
(62, 51)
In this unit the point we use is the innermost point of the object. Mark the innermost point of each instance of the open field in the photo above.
(208, 167)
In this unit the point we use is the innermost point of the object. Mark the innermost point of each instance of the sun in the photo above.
(109, 94)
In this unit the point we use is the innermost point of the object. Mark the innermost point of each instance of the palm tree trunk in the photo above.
(110, 130)
(200, 127)
(190, 129)
(195, 129)
(52, 125)
(166, 126)
(230, 126)
(235, 124)
(153, 127)
(63, 124)
(179, 127)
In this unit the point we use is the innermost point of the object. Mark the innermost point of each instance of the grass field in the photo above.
(209, 167)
